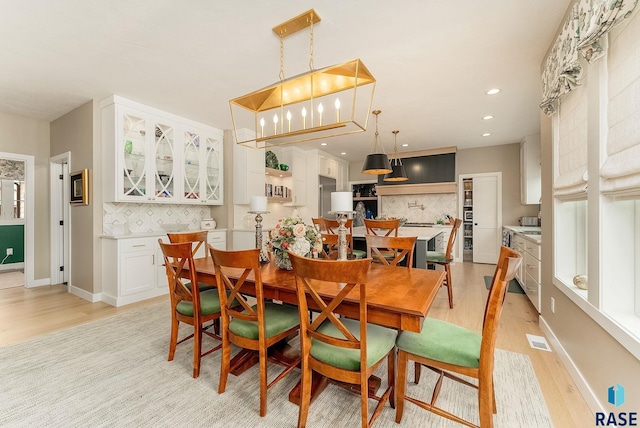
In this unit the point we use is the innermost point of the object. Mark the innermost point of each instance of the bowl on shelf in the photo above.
(174, 227)
(284, 167)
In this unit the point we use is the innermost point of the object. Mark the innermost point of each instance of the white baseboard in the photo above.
(39, 282)
(12, 266)
(584, 388)
(93, 298)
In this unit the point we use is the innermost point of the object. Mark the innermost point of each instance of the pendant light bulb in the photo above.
(398, 172)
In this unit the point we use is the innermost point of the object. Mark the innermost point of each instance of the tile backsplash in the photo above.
(436, 206)
(143, 218)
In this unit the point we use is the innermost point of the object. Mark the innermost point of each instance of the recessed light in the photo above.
(486, 134)
(405, 145)
(323, 144)
(487, 117)
(343, 153)
(492, 91)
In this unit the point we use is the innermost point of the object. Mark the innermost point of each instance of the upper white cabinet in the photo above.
(530, 171)
(248, 172)
(327, 166)
(297, 161)
(334, 168)
(153, 156)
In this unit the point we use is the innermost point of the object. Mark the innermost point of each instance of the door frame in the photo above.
(59, 202)
(29, 233)
(498, 174)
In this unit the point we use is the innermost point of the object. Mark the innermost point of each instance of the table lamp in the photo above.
(341, 205)
(258, 207)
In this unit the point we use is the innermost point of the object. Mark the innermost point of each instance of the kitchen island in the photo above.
(427, 237)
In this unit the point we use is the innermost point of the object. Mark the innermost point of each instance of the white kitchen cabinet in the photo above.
(530, 170)
(248, 172)
(134, 276)
(532, 272)
(518, 245)
(153, 156)
(327, 166)
(297, 161)
(342, 181)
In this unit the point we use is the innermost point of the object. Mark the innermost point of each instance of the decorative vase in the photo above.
(281, 259)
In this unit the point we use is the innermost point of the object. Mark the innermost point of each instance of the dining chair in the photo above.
(445, 259)
(332, 226)
(197, 239)
(252, 327)
(400, 246)
(330, 246)
(382, 227)
(342, 349)
(319, 224)
(188, 304)
(447, 348)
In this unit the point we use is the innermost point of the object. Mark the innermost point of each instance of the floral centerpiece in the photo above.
(291, 234)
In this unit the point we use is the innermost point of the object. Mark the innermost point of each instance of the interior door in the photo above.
(486, 212)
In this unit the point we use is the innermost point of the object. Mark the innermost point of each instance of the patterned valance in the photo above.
(587, 22)
(11, 170)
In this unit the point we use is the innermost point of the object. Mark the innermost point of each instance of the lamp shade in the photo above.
(376, 163)
(341, 202)
(258, 204)
(398, 172)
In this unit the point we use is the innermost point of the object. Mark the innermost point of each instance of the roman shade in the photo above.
(621, 168)
(572, 179)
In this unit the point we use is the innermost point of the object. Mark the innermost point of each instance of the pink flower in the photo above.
(299, 230)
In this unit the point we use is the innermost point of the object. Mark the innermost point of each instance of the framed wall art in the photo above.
(79, 187)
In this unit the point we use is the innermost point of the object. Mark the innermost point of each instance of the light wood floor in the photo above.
(27, 313)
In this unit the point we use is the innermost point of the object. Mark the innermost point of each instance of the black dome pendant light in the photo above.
(376, 163)
(398, 172)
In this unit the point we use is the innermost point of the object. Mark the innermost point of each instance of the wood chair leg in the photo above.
(417, 369)
(391, 376)
(305, 394)
(364, 400)
(263, 381)
(485, 403)
(225, 363)
(447, 268)
(173, 340)
(197, 349)
(401, 380)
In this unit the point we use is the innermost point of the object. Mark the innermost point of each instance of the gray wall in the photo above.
(26, 136)
(73, 133)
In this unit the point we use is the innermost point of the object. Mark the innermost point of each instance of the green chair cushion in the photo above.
(359, 254)
(436, 257)
(277, 319)
(380, 340)
(201, 286)
(209, 304)
(443, 341)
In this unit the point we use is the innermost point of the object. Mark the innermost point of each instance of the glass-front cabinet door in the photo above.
(213, 177)
(164, 171)
(202, 166)
(134, 150)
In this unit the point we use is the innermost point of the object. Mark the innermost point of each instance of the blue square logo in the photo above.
(616, 395)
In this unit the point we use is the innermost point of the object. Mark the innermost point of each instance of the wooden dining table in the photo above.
(397, 297)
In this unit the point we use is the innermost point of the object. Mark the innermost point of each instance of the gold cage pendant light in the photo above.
(323, 103)
(376, 162)
(398, 172)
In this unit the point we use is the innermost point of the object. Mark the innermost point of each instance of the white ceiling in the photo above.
(433, 60)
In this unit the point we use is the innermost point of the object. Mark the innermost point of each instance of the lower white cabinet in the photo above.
(532, 272)
(133, 268)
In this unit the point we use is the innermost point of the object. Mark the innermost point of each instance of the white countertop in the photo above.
(151, 234)
(423, 233)
(522, 230)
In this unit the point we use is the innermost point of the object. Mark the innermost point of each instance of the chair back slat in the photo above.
(382, 227)
(318, 222)
(400, 247)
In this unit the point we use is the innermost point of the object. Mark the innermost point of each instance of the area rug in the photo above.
(514, 287)
(114, 372)
(11, 279)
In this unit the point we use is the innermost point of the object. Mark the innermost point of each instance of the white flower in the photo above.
(299, 230)
(301, 246)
